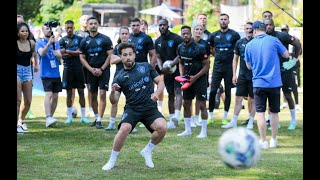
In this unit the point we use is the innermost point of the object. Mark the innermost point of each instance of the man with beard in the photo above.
(166, 49)
(193, 63)
(143, 43)
(244, 81)
(95, 54)
(222, 44)
(286, 67)
(136, 82)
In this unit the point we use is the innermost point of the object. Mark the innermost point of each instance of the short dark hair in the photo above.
(267, 11)
(69, 22)
(135, 20)
(185, 27)
(126, 45)
(92, 17)
(224, 14)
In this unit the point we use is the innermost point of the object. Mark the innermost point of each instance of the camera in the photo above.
(52, 23)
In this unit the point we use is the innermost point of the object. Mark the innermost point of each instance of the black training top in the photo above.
(137, 85)
(166, 46)
(95, 49)
(115, 51)
(239, 50)
(73, 62)
(192, 55)
(223, 43)
(143, 44)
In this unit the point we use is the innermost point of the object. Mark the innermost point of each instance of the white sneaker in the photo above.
(202, 135)
(273, 143)
(19, 129)
(170, 125)
(109, 165)
(264, 145)
(229, 125)
(184, 133)
(192, 123)
(90, 113)
(284, 105)
(298, 108)
(23, 125)
(147, 157)
(250, 126)
(51, 121)
(175, 120)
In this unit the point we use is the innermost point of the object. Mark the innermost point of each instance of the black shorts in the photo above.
(261, 95)
(244, 87)
(171, 84)
(217, 78)
(52, 85)
(288, 82)
(101, 82)
(147, 117)
(72, 79)
(198, 90)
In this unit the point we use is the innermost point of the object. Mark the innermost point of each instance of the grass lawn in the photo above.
(79, 151)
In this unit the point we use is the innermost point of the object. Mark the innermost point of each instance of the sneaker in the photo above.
(245, 122)
(134, 130)
(268, 122)
(202, 135)
(250, 126)
(68, 121)
(198, 123)
(264, 145)
(30, 115)
(192, 123)
(184, 133)
(94, 123)
(51, 121)
(24, 126)
(109, 165)
(225, 121)
(99, 125)
(284, 105)
(292, 126)
(111, 127)
(210, 121)
(298, 108)
(229, 125)
(85, 120)
(273, 143)
(175, 120)
(147, 157)
(170, 125)
(90, 112)
(19, 129)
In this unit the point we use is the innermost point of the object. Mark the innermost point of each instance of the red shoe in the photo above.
(181, 79)
(185, 86)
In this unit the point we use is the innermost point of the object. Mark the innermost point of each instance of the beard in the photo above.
(129, 64)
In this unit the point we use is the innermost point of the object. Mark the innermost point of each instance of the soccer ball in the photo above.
(239, 148)
(74, 112)
(172, 69)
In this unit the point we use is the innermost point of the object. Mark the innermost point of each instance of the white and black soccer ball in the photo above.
(172, 69)
(74, 112)
(239, 148)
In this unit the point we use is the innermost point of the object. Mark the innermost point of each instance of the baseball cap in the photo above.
(284, 27)
(258, 25)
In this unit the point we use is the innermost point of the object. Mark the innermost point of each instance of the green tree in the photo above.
(28, 8)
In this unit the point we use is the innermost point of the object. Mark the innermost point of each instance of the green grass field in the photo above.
(79, 151)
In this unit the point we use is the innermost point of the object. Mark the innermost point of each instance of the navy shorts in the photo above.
(261, 95)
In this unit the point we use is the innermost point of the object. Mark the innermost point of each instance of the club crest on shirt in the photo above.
(99, 41)
(170, 43)
(146, 79)
(141, 69)
(228, 37)
(140, 40)
(75, 41)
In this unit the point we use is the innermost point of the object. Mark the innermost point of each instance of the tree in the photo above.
(28, 8)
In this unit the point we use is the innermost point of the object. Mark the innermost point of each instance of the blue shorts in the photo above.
(24, 73)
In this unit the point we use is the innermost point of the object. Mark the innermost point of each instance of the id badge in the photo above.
(53, 63)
